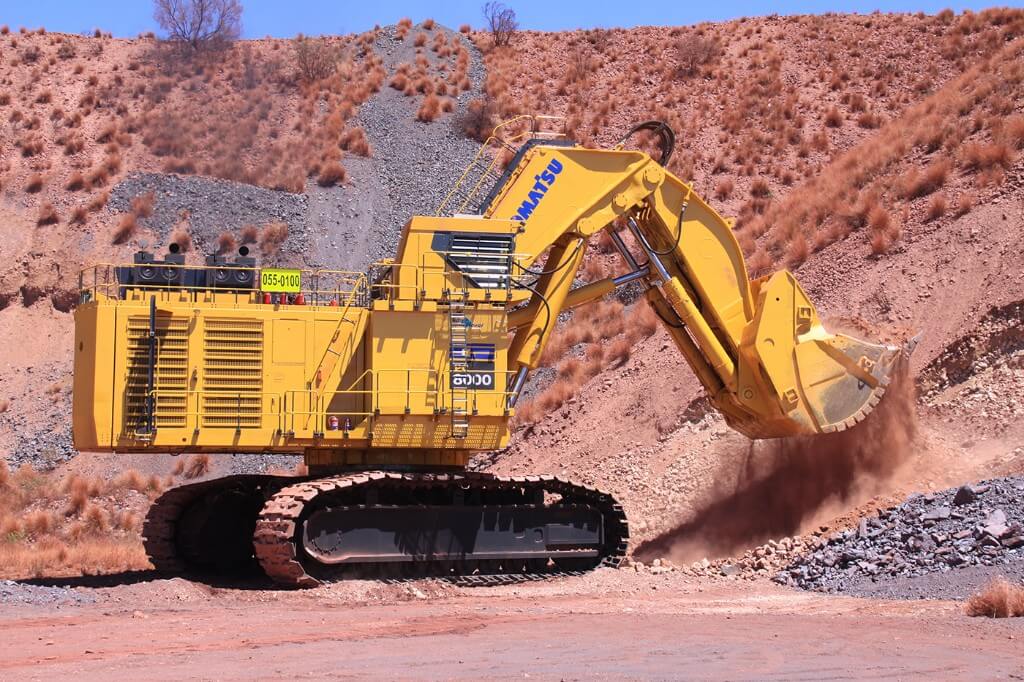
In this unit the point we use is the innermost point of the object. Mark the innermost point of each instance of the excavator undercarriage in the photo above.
(388, 382)
(377, 523)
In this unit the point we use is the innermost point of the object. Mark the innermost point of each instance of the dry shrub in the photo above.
(107, 133)
(430, 109)
(694, 51)
(399, 81)
(96, 519)
(557, 394)
(331, 174)
(250, 234)
(428, 24)
(936, 208)
(879, 219)
(798, 249)
(180, 165)
(724, 188)
(354, 140)
(998, 599)
(465, 28)
(226, 243)
(1013, 131)
(125, 229)
(99, 201)
(97, 177)
(78, 215)
(528, 412)
(47, 215)
(918, 184)
(880, 243)
(883, 229)
(964, 204)
(759, 188)
(977, 156)
(40, 522)
(182, 238)
(34, 184)
(420, 40)
(619, 352)
(130, 479)
(75, 182)
(196, 466)
(642, 321)
(479, 120)
(154, 484)
(273, 237)
(869, 120)
(833, 119)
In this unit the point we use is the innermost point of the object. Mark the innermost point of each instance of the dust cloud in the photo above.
(778, 488)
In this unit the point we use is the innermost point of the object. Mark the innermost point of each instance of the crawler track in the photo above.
(191, 528)
(277, 536)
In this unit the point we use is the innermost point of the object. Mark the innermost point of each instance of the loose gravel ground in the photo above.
(12, 592)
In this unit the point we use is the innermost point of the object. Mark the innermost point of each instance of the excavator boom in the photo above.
(758, 346)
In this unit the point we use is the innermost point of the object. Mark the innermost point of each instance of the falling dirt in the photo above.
(786, 486)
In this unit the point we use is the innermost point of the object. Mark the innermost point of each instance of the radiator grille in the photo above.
(233, 373)
(170, 377)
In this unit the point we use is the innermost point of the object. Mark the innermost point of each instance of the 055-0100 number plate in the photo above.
(281, 280)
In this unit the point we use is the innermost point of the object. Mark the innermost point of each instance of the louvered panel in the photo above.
(232, 373)
(170, 376)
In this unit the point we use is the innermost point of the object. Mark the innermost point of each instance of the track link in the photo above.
(276, 537)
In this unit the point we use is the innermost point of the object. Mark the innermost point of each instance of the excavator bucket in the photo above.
(822, 382)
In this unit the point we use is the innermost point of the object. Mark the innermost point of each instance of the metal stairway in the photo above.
(458, 354)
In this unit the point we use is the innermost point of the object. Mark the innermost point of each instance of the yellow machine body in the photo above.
(420, 362)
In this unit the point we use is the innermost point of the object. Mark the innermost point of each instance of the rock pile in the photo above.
(974, 525)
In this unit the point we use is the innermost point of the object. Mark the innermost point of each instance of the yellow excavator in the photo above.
(387, 382)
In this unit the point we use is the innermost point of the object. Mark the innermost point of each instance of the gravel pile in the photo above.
(12, 592)
(212, 206)
(413, 166)
(979, 525)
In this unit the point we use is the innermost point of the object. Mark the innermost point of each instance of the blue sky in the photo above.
(285, 18)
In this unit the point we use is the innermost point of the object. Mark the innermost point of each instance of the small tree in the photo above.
(501, 21)
(315, 58)
(199, 23)
(694, 51)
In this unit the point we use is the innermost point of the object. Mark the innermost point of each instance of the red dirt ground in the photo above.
(646, 626)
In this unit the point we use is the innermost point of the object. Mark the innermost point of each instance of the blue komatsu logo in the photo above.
(542, 184)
